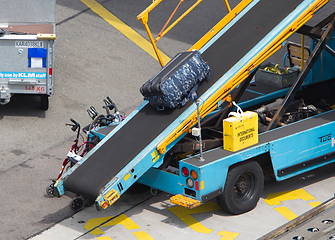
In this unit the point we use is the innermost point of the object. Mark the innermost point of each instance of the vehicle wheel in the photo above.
(99, 121)
(50, 190)
(138, 188)
(44, 102)
(77, 204)
(243, 188)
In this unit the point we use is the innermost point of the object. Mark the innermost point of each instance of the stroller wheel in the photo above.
(77, 204)
(50, 190)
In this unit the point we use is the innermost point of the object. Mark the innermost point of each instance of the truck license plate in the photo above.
(29, 44)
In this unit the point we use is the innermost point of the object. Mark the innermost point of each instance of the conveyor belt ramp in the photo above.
(141, 141)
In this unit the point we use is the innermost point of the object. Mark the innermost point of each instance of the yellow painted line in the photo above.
(122, 219)
(104, 238)
(142, 235)
(286, 213)
(185, 215)
(123, 28)
(227, 235)
(314, 204)
(277, 198)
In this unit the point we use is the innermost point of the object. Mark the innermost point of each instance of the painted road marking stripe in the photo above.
(287, 213)
(122, 219)
(123, 28)
(314, 204)
(276, 198)
(185, 215)
(227, 235)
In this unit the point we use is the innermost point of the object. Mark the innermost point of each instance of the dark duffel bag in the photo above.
(173, 85)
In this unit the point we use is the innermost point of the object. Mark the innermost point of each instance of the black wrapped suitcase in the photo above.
(172, 85)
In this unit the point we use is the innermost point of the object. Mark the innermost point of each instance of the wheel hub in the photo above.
(241, 186)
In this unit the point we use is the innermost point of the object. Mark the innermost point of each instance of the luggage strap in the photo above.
(185, 94)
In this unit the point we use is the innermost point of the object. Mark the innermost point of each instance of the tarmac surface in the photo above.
(94, 60)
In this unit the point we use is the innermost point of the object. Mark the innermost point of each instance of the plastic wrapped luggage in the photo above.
(173, 85)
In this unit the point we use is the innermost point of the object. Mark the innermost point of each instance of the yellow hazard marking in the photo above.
(155, 159)
(202, 185)
(142, 235)
(104, 238)
(122, 219)
(314, 204)
(185, 215)
(286, 213)
(277, 198)
(154, 154)
(227, 235)
(126, 177)
(123, 28)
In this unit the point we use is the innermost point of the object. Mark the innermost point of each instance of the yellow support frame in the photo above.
(223, 22)
(178, 20)
(144, 17)
(211, 103)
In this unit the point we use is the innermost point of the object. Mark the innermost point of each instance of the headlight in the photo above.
(189, 183)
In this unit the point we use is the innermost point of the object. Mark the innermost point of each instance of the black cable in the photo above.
(115, 216)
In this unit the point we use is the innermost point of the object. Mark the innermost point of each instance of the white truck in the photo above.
(27, 36)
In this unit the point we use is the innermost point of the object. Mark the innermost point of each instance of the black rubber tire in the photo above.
(94, 124)
(44, 102)
(77, 204)
(138, 188)
(243, 188)
(51, 190)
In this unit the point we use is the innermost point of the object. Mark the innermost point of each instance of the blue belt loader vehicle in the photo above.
(295, 120)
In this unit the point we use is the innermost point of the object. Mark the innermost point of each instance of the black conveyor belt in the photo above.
(89, 178)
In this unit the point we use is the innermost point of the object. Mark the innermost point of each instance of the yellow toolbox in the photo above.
(240, 131)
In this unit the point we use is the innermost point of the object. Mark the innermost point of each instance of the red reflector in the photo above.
(197, 185)
(50, 71)
(184, 171)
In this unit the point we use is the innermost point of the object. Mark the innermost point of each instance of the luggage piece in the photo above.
(173, 85)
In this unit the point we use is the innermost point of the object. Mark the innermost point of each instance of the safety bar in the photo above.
(178, 20)
(221, 24)
(144, 16)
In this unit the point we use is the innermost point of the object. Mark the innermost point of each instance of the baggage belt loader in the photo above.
(148, 146)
